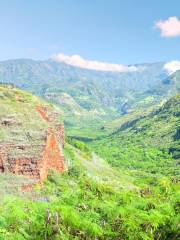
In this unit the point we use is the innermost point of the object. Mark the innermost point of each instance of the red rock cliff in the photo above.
(31, 159)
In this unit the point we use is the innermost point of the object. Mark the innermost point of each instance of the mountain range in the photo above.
(88, 96)
(113, 175)
(88, 89)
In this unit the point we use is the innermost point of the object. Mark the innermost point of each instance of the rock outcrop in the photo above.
(31, 135)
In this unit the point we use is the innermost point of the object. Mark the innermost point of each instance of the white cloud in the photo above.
(172, 66)
(169, 28)
(78, 61)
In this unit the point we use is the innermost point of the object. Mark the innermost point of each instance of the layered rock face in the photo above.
(31, 135)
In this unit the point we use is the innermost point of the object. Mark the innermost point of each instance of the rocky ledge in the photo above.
(31, 135)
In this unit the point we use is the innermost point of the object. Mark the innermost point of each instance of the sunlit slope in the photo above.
(145, 141)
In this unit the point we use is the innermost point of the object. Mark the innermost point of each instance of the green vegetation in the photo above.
(20, 122)
(147, 142)
(88, 98)
(85, 203)
(120, 183)
(11, 184)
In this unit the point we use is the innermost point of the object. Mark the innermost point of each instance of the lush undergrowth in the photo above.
(150, 143)
(79, 205)
(133, 195)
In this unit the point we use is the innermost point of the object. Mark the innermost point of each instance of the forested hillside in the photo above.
(89, 98)
(89, 120)
(141, 142)
(133, 196)
(81, 90)
(120, 174)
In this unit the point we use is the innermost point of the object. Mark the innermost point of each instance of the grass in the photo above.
(20, 122)
(85, 203)
(121, 186)
(11, 185)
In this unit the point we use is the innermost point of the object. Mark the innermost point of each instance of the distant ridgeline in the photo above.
(10, 84)
(82, 90)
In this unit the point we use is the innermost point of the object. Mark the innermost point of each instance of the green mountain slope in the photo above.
(83, 92)
(146, 141)
(91, 200)
(168, 87)
(124, 185)
(89, 98)
(139, 106)
(159, 93)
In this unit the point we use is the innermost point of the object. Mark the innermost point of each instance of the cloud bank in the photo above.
(78, 61)
(172, 66)
(169, 28)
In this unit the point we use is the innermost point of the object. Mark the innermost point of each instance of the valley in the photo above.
(99, 150)
(89, 120)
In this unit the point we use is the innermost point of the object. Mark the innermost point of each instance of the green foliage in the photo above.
(89, 98)
(79, 145)
(136, 199)
(75, 205)
(146, 143)
(20, 122)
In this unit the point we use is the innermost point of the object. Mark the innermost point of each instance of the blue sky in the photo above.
(116, 31)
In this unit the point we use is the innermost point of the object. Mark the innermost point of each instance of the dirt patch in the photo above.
(43, 113)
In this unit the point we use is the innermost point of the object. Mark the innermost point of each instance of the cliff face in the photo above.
(31, 135)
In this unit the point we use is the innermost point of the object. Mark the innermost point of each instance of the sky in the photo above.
(91, 32)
